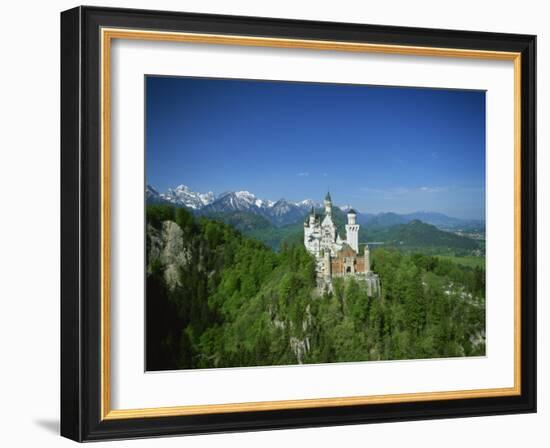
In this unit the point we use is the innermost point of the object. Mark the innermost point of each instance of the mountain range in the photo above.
(280, 213)
(284, 212)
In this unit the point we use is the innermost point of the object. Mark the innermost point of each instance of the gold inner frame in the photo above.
(107, 35)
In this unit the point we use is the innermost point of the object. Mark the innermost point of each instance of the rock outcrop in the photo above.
(167, 248)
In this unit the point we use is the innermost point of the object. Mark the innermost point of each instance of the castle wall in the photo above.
(327, 267)
(366, 259)
(339, 265)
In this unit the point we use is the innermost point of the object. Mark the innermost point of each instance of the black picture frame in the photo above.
(81, 224)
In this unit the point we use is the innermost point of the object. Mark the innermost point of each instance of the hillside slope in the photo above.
(215, 298)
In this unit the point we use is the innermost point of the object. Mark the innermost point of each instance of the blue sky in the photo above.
(376, 148)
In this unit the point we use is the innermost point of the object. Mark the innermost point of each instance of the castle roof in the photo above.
(327, 197)
(346, 251)
(352, 212)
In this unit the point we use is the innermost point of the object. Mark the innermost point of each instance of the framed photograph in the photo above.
(273, 223)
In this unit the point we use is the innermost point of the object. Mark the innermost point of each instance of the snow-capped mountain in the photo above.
(284, 212)
(233, 202)
(183, 195)
(307, 204)
(279, 212)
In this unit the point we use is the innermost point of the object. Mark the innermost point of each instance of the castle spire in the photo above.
(328, 204)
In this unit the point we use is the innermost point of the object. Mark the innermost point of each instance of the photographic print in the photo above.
(292, 223)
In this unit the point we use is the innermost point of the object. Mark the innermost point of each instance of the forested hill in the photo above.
(418, 234)
(216, 298)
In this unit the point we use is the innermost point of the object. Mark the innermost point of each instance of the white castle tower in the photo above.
(352, 230)
(329, 235)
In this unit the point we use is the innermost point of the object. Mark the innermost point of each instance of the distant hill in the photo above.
(417, 234)
(381, 220)
(260, 228)
(446, 222)
(443, 222)
(244, 222)
(275, 236)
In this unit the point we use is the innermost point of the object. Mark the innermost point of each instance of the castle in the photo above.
(334, 256)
